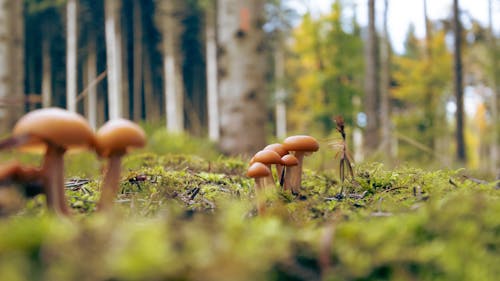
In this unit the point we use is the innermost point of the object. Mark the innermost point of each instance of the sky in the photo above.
(404, 12)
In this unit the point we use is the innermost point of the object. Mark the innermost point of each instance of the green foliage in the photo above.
(327, 70)
(183, 217)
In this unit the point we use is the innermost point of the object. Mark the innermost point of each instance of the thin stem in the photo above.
(293, 174)
(111, 182)
(53, 170)
(260, 196)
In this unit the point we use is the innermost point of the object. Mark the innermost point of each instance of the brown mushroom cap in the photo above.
(301, 143)
(55, 125)
(289, 160)
(258, 170)
(267, 157)
(277, 147)
(117, 136)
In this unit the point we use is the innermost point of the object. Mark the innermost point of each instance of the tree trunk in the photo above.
(91, 77)
(113, 58)
(495, 102)
(242, 69)
(46, 69)
(71, 54)
(459, 92)
(171, 28)
(151, 103)
(211, 59)
(137, 88)
(280, 95)
(11, 63)
(372, 138)
(385, 120)
(429, 103)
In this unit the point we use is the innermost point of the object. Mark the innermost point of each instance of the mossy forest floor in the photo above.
(182, 217)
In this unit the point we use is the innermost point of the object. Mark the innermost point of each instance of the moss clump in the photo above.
(182, 217)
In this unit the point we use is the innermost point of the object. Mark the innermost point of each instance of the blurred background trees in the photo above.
(245, 72)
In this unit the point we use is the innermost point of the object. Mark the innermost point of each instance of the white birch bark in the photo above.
(11, 63)
(71, 55)
(113, 58)
(211, 59)
(242, 69)
(170, 26)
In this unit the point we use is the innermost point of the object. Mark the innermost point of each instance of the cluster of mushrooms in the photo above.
(54, 131)
(287, 157)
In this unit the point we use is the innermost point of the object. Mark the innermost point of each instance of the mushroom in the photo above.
(301, 145)
(29, 178)
(54, 131)
(259, 171)
(278, 148)
(115, 139)
(267, 157)
(288, 161)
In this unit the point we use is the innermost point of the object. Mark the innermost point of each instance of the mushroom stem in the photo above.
(53, 170)
(269, 181)
(293, 174)
(111, 182)
(260, 195)
(279, 170)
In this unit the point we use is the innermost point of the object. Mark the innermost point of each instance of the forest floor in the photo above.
(184, 217)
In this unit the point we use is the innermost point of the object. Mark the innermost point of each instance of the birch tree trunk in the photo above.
(459, 91)
(171, 28)
(151, 102)
(11, 63)
(113, 58)
(242, 69)
(137, 83)
(71, 54)
(372, 138)
(212, 83)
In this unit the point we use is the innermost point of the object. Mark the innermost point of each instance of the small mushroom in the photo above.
(268, 158)
(53, 131)
(300, 145)
(278, 148)
(259, 171)
(288, 161)
(115, 139)
(29, 178)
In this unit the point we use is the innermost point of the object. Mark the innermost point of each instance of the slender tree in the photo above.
(91, 65)
(242, 69)
(495, 101)
(11, 63)
(458, 81)
(211, 66)
(169, 21)
(371, 101)
(71, 54)
(137, 57)
(46, 65)
(385, 53)
(112, 10)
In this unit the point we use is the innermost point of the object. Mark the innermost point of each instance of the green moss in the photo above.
(183, 217)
